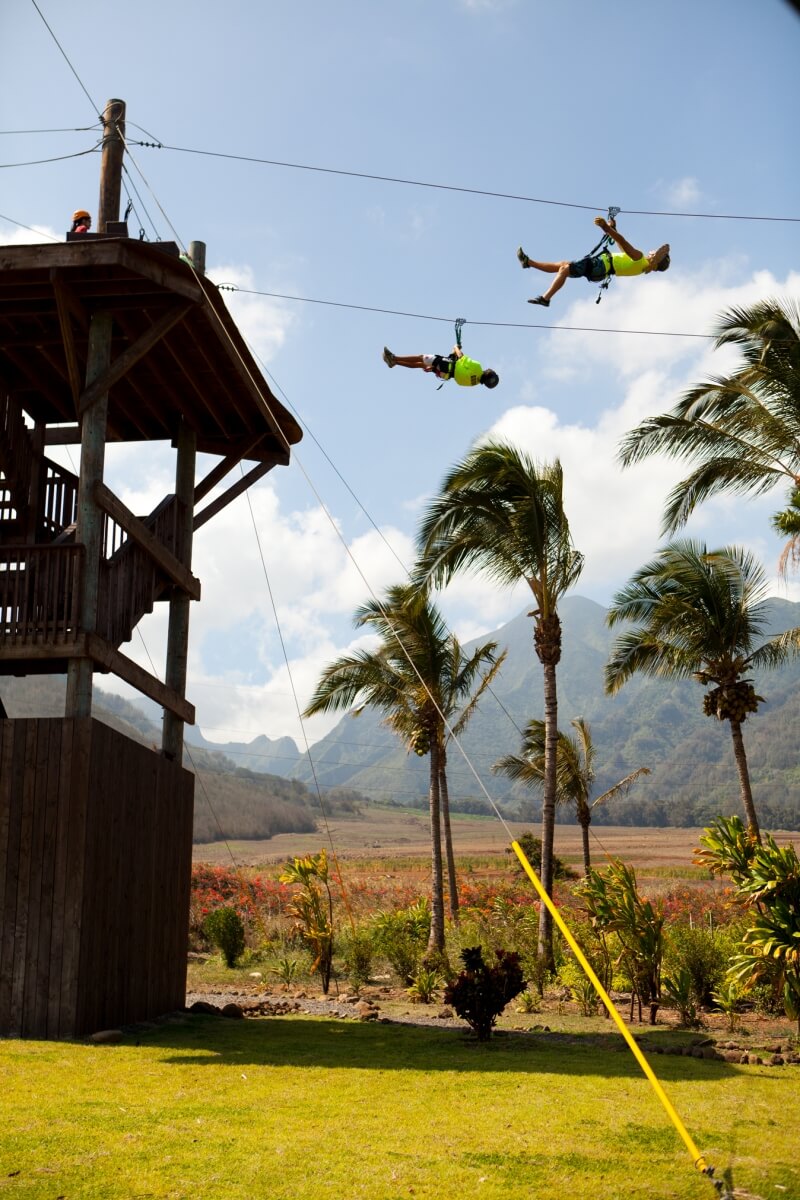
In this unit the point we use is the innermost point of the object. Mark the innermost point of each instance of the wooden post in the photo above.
(197, 253)
(179, 603)
(111, 163)
(89, 522)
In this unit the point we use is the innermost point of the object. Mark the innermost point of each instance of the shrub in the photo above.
(313, 906)
(402, 937)
(224, 928)
(480, 993)
(358, 953)
(701, 954)
(531, 846)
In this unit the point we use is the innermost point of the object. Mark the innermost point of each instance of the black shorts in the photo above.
(443, 367)
(593, 267)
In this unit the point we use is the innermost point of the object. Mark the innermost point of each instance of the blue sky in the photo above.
(683, 107)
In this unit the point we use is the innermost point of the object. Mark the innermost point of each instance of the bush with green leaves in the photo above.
(700, 953)
(357, 955)
(767, 880)
(313, 907)
(582, 990)
(481, 992)
(224, 928)
(614, 905)
(531, 846)
(402, 936)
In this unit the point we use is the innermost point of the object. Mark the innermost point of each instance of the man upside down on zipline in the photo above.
(598, 267)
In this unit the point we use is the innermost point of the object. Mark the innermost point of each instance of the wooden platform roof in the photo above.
(176, 349)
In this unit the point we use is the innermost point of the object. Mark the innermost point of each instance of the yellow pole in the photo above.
(697, 1157)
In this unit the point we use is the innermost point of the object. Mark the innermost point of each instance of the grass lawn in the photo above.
(214, 1109)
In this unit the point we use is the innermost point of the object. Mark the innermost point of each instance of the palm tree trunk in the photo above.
(744, 779)
(545, 948)
(585, 817)
(436, 940)
(444, 796)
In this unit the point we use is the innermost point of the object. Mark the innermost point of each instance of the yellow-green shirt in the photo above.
(625, 265)
(467, 371)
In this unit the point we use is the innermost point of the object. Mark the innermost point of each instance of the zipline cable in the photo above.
(448, 187)
(393, 312)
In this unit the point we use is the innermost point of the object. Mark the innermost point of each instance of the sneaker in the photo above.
(540, 300)
(388, 357)
(522, 256)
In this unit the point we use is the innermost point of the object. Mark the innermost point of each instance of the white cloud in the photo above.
(684, 192)
(24, 236)
(263, 322)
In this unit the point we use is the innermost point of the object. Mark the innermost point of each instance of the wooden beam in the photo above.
(123, 363)
(62, 435)
(65, 303)
(235, 490)
(241, 450)
(104, 654)
(136, 529)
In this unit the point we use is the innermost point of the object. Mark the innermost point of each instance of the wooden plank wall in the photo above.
(95, 869)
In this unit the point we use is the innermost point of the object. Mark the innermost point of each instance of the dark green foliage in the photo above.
(358, 952)
(480, 993)
(402, 937)
(224, 929)
(702, 954)
(531, 846)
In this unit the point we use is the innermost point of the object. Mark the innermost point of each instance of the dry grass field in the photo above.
(391, 833)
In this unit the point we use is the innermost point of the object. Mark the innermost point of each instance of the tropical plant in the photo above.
(679, 990)
(480, 993)
(529, 1002)
(417, 676)
(313, 907)
(224, 928)
(499, 512)
(575, 773)
(425, 985)
(767, 880)
(728, 999)
(286, 970)
(614, 905)
(402, 936)
(741, 429)
(701, 615)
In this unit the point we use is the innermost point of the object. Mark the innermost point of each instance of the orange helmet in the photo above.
(81, 214)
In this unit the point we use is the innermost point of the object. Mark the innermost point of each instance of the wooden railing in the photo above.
(39, 594)
(40, 586)
(15, 453)
(130, 580)
(60, 501)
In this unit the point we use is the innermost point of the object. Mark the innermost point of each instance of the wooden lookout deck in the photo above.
(104, 340)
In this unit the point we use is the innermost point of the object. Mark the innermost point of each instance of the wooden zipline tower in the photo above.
(104, 339)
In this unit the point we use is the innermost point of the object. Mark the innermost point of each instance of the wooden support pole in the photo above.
(111, 163)
(179, 603)
(89, 524)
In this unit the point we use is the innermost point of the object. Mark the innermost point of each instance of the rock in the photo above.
(745, 1058)
(234, 1011)
(366, 1011)
(696, 1052)
(710, 1052)
(732, 1056)
(255, 975)
(445, 1014)
(776, 1060)
(106, 1037)
(203, 1006)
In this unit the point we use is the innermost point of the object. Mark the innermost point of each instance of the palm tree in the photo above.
(576, 773)
(742, 429)
(702, 615)
(418, 676)
(503, 514)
